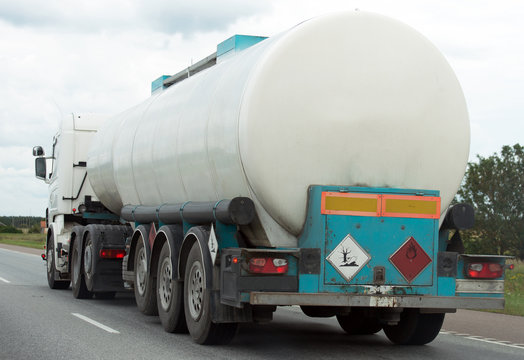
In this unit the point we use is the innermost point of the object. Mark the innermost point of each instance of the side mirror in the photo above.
(38, 151)
(40, 167)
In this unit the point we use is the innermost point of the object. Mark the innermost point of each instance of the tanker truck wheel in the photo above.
(357, 323)
(88, 261)
(77, 277)
(170, 295)
(145, 292)
(197, 304)
(414, 328)
(53, 284)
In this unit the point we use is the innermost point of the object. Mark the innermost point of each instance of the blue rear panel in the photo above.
(353, 248)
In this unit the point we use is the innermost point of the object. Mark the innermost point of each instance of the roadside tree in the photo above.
(495, 187)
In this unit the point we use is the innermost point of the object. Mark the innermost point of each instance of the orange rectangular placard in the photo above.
(334, 203)
(358, 204)
(425, 207)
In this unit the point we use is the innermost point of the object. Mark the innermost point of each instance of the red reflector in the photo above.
(43, 256)
(485, 270)
(268, 265)
(112, 253)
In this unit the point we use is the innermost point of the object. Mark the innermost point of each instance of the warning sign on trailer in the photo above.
(348, 258)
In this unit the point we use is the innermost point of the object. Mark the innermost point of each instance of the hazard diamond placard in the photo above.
(348, 258)
(410, 259)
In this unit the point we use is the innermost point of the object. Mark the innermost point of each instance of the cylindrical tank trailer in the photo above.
(351, 98)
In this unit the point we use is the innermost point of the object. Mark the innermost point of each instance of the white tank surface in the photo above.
(350, 98)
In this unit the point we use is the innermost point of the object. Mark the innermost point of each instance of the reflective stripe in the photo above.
(334, 203)
(350, 204)
(427, 207)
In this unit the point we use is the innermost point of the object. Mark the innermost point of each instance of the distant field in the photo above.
(514, 284)
(35, 241)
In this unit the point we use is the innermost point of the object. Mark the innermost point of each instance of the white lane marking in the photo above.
(4, 280)
(495, 342)
(483, 339)
(96, 323)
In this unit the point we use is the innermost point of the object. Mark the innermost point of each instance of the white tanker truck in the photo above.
(312, 168)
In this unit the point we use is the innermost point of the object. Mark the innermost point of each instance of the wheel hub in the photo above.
(88, 254)
(196, 290)
(141, 272)
(76, 267)
(165, 290)
(49, 259)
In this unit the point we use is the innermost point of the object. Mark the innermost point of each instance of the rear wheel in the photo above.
(145, 292)
(50, 258)
(197, 304)
(89, 259)
(77, 277)
(357, 323)
(170, 295)
(319, 311)
(414, 328)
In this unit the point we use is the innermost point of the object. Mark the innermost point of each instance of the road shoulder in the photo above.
(22, 249)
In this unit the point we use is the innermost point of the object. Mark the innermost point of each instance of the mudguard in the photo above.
(201, 234)
(142, 230)
(174, 235)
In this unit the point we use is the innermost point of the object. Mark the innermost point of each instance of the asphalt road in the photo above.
(39, 323)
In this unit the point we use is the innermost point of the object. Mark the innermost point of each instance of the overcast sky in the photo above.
(63, 56)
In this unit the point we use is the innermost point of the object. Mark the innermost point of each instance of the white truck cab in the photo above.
(70, 193)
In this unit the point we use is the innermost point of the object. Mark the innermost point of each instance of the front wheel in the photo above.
(170, 295)
(414, 328)
(53, 284)
(197, 304)
(145, 292)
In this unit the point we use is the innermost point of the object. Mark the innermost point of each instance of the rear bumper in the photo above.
(383, 301)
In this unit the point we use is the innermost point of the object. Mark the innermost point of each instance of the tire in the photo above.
(50, 260)
(414, 328)
(170, 295)
(77, 277)
(319, 311)
(108, 295)
(357, 323)
(197, 304)
(144, 286)
(88, 262)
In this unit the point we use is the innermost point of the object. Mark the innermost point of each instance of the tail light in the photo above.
(268, 265)
(484, 270)
(112, 253)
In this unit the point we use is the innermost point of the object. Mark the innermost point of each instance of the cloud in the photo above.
(181, 16)
(170, 17)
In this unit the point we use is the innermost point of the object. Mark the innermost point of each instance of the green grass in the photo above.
(35, 241)
(514, 290)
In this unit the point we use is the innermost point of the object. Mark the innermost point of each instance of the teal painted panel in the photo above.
(380, 238)
(446, 286)
(158, 83)
(308, 283)
(237, 43)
